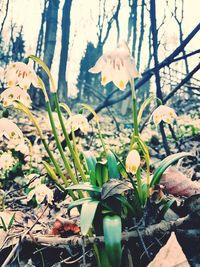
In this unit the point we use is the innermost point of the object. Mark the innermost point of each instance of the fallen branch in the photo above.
(151, 231)
(21, 239)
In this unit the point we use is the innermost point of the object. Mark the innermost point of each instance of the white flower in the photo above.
(6, 161)
(41, 191)
(19, 73)
(132, 161)
(16, 93)
(76, 122)
(163, 113)
(22, 147)
(117, 66)
(36, 182)
(10, 130)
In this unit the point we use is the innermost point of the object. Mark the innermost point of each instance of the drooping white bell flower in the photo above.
(16, 93)
(19, 73)
(133, 161)
(41, 191)
(164, 113)
(76, 122)
(117, 66)
(10, 130)
(6, 161)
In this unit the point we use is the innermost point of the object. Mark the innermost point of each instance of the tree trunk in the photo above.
(62, 83)
(156, 64)
(50, 37)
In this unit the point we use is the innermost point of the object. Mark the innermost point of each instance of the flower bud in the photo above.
(132, 161)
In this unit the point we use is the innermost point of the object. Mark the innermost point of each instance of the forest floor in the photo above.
(45, 236)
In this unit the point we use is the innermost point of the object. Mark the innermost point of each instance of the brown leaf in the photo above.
(177, 184)
(170, 255)
(63, 226)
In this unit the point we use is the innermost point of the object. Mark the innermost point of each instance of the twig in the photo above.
(8, 259)
(150, 231)
(4, 19)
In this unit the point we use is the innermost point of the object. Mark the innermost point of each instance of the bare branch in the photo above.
(4, 19)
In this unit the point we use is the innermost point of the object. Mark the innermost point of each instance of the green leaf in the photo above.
(101, 173)
(125, 202)
(114, 187)
(85, 187)
(87, 215)
(165, 163)
(165, 207)
(3, 224)
(78, 202)
(52, 174)
(113, 171)
(11, 221)
(112, 229)
(91, 164)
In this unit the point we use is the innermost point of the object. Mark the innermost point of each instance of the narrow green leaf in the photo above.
(3, 224)
(11, 221)
(91, 164)
(101, 173)
(165, 163)
(85, 187)
(113, 171)
(87, 215)
(52, 174)
(165, 207)
(112, 228)
(125, 202)
(77, 203)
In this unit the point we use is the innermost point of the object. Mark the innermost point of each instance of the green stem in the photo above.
(59, 146)
(39, 131)
(101, 139)
(134, 102)
(73, 153)
(136, 134)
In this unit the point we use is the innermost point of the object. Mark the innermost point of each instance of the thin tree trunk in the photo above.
(50, 37)
(156, 64)
(62, 83)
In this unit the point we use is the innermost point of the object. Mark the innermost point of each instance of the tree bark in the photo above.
(157, 69)
(50, 37)
(62, 83)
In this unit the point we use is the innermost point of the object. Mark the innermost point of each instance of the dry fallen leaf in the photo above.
(170, 255)
(177, 184)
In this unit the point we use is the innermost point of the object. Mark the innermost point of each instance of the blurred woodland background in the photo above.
(70, 35)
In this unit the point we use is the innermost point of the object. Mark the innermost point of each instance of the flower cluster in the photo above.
(18, 77)
(7, 161)
(76, 122)
(40, 191)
